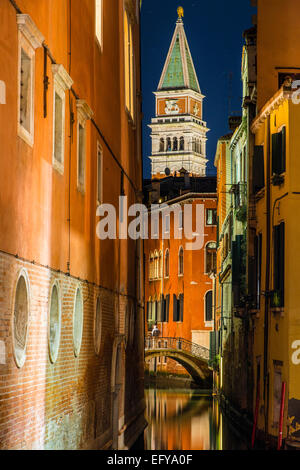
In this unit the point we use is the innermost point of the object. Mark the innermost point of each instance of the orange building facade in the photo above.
(71, 306)
(179, 280)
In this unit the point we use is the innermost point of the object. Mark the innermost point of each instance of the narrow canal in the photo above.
(187, 420)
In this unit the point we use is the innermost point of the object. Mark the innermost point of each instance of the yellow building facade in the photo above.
(276, 319)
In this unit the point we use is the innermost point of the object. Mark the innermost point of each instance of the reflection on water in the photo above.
(187, 420)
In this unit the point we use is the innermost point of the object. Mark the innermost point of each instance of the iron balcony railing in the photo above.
(178, 344)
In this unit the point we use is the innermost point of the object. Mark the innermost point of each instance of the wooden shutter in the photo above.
(279, 248)
(148, 311)
(181, 304)
(167, 309)
(283, 150)
(276, 153)
(258, 170)
(175, 308)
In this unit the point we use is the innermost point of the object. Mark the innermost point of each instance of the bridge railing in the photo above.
(178, 344)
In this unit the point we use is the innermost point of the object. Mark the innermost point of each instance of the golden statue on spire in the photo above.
(180, 12)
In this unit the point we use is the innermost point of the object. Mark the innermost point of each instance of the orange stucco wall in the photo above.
(193, 284)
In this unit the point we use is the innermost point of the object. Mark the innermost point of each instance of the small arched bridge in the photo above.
(193, 357)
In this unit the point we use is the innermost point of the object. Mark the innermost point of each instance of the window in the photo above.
(26, 91)
(54, 322)
(211, 216)
(160, 265)
(279, 265)
(178, 305)
(258, 170)
(99, 21)
(21, 318)
(181, 143)
(155, 265)
(98, 326)
(258, 261)
(162, 145)
(180, 262)
(167, 223)
(99, 174)
(208, 307)
(29, 39)
(81, 157)
(279, 152)
(59, 123)
(180, 223)
(210, 258)
(151, 266)
(62, 81)
(175, 144)
(169, 146)
(77, 322)
(129, 65)
(83, 114)
(167, 264)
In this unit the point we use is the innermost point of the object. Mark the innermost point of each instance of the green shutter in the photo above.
(167, 309)
(276, 153)
(175, 308)
(181, 304)
(283, 150)
(258, 173)
(212, 345)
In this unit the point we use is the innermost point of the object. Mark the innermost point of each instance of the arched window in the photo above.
(180, 262)
(162, 145)
(208, 307)
(156, 265)
(175, 144)
(210, 257)
(151, 266)
(181, 143)
(21, 318)
(54, 322)
(194, 144)
(167, 263)
(169, 145)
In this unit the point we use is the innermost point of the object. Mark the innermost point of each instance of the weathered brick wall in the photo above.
(66, 405)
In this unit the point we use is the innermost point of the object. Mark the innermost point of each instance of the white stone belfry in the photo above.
(178, 131)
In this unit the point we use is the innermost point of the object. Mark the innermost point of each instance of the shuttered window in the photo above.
(167, 308)
(258, 175)
(279, 152)
(279, 262)
(178, 305)
(175, 308)
(181, 304)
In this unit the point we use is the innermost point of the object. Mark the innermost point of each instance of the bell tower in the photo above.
(178, 130)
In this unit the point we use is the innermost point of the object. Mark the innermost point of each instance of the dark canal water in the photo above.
(187, 420)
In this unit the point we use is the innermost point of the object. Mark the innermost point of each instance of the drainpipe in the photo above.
(267, 280)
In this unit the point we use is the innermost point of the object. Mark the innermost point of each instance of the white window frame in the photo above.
(29, 39)
(99, 23)
(61, 82)
(99, 183)
(84, 113)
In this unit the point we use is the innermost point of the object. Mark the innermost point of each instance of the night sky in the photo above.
(214, 31)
